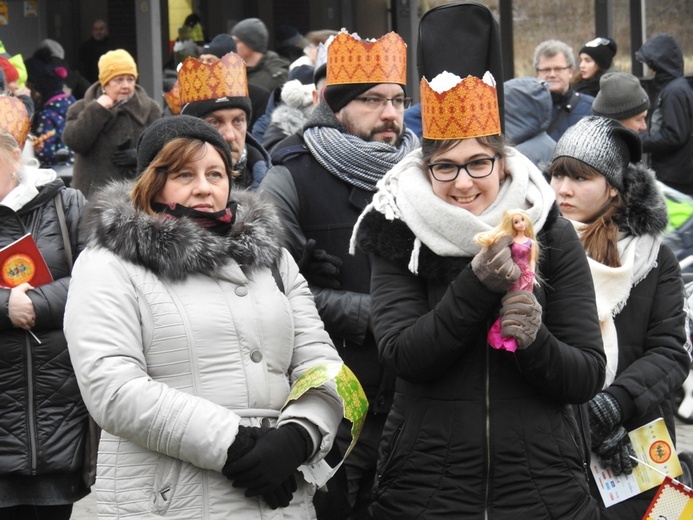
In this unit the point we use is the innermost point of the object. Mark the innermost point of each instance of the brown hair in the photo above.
(599, 237)
(429, 147)
(172, 157)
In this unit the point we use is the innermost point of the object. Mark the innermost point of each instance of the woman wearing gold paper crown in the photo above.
(474, 431)
(44, 467)
(200, 330)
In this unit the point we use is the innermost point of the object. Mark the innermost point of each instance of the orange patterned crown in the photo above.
(224, 78)
(466, 110)
(172, 98)
(352, 60)
(14, 118)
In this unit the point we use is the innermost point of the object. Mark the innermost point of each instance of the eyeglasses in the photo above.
(552, 70)
(374, 103)
(476, 169)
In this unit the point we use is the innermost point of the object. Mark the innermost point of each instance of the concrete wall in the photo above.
(22, 33)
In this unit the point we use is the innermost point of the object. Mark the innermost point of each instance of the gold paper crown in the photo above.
(223, 78)
(469, 109)
(14, 118)
(172, 98)
(351, 60)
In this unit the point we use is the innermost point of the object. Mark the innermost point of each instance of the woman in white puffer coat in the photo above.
(186, 343)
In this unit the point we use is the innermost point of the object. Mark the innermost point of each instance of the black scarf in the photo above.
(219, 222)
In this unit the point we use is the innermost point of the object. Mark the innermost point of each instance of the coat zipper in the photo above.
(488, 433)
(30, 412)
(30, 408)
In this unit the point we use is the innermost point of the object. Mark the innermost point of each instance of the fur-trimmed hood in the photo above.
(176, 248)
(645, 210)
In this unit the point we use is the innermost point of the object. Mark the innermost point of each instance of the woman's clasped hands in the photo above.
(264, 461)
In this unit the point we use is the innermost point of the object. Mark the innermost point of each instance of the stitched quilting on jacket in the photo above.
(43, 421)
(196, 338)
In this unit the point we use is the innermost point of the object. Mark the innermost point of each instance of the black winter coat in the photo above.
(478, 433)
(43, 419)
(315, 204)
(652, 360)
(669, 135)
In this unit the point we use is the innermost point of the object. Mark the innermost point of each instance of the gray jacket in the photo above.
(191, 338)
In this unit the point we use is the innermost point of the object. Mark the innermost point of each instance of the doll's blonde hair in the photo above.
(505, 228)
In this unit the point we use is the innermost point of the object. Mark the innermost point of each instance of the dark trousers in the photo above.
(24, 512)
(349, 490)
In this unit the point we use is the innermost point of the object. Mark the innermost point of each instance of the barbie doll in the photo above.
(524, 251)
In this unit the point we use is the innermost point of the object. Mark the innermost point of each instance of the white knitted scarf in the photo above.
(612, 287)
(405, 193)
(30, 178)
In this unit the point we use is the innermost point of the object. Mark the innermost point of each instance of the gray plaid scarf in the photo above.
(358, 162)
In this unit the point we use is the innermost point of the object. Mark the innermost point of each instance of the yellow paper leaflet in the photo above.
(354, 402)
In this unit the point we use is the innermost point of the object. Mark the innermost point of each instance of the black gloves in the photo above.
(245, 441)
(495, 268)
(127, 157)
(319, 268)
(268, 468)
(610, 440)
(520, 317)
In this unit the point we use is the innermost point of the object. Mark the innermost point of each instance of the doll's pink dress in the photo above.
(521, 253)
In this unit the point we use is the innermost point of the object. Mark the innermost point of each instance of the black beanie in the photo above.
(601, 50)
(165, 129)
(202, 108)
(220, 45)
(338, 96)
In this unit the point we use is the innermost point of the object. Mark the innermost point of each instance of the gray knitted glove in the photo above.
(605, 415)
(494, 267)
(615, 452)
(520, 317)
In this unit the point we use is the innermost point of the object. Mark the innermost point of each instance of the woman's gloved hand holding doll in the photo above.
(513, 240)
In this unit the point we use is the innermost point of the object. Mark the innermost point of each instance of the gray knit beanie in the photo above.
(620, 97)
(252, 32)
(604, 144)
(165, 129)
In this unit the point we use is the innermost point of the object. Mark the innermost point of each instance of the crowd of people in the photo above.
(482, 276)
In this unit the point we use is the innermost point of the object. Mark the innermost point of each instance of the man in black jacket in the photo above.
(669, 138)
(322, 178)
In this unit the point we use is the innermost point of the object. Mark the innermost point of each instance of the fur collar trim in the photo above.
(176, 248)
(645, 211)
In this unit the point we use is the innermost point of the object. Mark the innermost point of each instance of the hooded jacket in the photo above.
(43, 419)
(669, 135)
(474, 432)
(192, 337)
(527, 117)
(94, 133)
